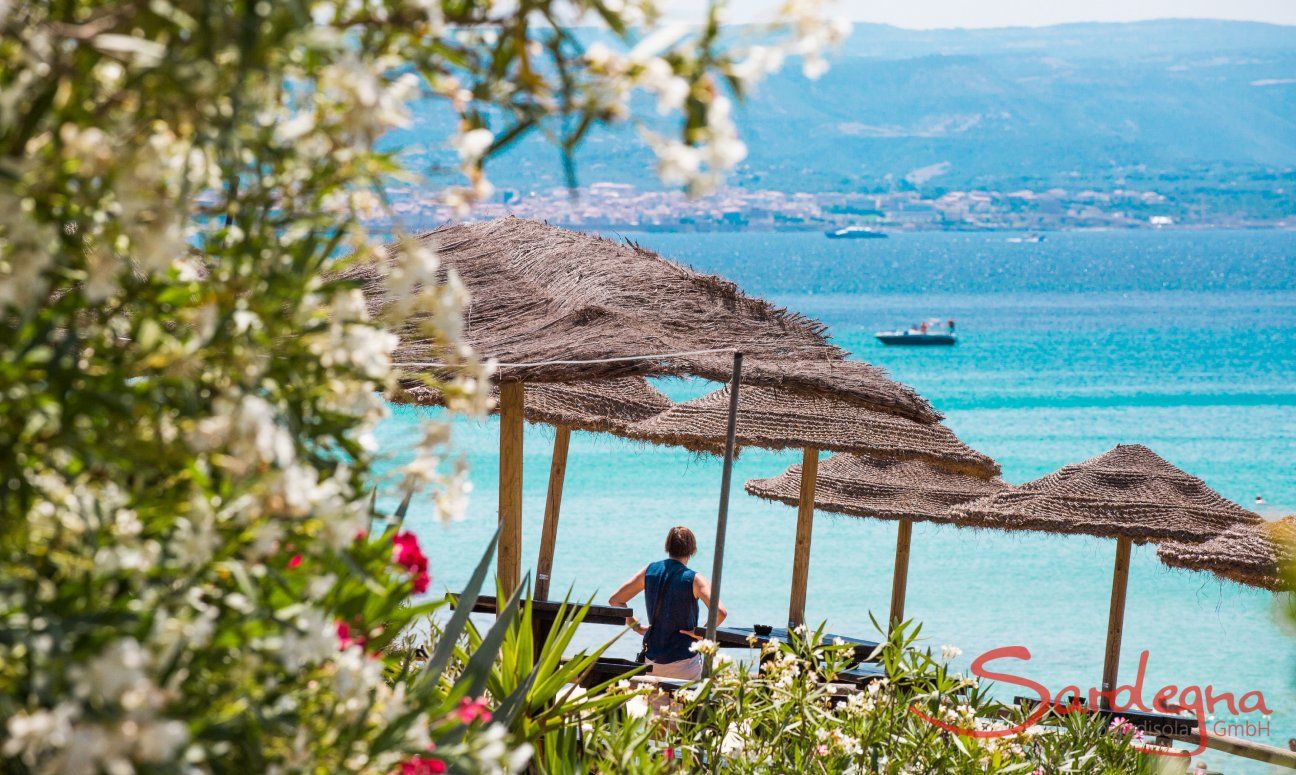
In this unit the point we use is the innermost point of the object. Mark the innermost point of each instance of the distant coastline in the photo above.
(622, 207)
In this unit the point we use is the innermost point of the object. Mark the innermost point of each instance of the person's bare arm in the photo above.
(626, 592)
(702, 591)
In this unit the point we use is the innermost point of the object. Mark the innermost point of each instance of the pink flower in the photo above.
(409, 556)
(345, 639)
(471, 710)
(422, 765)
(295, 561)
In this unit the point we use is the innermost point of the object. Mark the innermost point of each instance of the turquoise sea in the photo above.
(1184, 341)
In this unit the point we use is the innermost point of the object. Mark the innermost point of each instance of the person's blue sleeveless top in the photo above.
(679, 610)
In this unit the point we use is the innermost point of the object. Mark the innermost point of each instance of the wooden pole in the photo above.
(553, 503)
(722, 519)
(805, 526)
(509, 556)
(900, 578)
(1116, 619)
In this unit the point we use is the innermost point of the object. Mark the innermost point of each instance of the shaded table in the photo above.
(548, 610)
(740, 637)
(861, 674)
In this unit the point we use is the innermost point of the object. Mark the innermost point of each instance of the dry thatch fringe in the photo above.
(599, 406)
(777, 419)
(1128, 492)
(540, 293)
(884, 489)
(1261, 555)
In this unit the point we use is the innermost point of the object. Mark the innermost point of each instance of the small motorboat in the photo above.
(854, 232)
(1028, 238)
(929, 333)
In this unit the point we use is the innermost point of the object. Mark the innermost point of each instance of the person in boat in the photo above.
(950, 325)
(671, 594)
(923, 328)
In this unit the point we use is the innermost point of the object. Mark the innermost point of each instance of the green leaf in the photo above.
(463, 607)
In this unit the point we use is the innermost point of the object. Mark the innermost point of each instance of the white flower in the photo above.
(300, 124)
(311, 639)
(735, 739)
(473, 144)
(193, 545)
(117, 671)
(814, 66)
(246, 430)
(659, 77)
(339, 530)
(31, 734)
(677, 163)
(949, 653)
(245, 321)
(159, 741)
(599, 56)
(452, 497)
(348, 306)
(637, 706)
(704, 646)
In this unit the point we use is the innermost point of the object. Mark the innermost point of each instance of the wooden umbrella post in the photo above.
(805, 527)
(722, 519)
(1116, 619)
(553, 504)
(509, 555)
(900, 578)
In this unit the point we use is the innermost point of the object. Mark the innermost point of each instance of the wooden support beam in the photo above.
(553, 504)
(1116, 619)
(722, 518)
(805, 526)
(900, 577)
(509, 555)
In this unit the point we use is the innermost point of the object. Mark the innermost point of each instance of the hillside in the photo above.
(1191, 108)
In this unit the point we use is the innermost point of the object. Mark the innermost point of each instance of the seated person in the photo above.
(671, 591)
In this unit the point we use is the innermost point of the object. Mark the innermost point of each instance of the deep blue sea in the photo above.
(1184, 341)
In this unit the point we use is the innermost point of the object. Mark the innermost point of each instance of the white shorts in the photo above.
(685, 670)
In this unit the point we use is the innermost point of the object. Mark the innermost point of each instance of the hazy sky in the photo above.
(1007, 13)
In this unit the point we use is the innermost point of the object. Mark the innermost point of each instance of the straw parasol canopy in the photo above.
(1130, 492)
(600, 406)
(1255, 555)
(898, 489)
(885, 489)
(541, 294)
(775, 419)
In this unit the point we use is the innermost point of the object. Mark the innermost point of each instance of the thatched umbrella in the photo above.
(551, 305)
(1258, 555)
(602, 406)
(1130, 494)
(902, 490)
(778, 419)
(547, 301)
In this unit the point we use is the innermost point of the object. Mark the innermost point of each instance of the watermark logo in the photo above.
(1201, 703)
